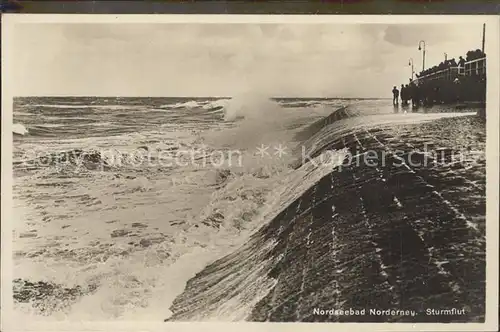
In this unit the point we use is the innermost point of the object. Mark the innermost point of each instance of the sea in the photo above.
(119, 201)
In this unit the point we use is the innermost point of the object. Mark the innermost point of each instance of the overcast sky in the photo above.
(320, 60)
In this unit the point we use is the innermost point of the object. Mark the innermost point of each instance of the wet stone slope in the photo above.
(403, 231)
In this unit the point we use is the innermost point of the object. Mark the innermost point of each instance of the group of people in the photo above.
(431, 91)
(408, 92)
(472, 88)
(426, 94)
(471, 55)
(442, 66)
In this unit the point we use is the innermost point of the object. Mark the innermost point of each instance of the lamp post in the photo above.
(484, 33)
(410, 63)
(420, 48)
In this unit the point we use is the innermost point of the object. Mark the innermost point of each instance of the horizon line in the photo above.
(193, 97)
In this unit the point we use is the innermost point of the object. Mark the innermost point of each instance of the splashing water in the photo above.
(19, 129)
(260, 121)
(118, 244)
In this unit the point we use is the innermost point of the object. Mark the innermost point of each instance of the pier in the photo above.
(461, 82)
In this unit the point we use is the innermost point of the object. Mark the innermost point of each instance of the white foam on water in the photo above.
(84, 222)
(20, 129)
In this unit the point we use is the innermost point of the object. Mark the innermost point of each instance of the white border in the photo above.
(492, 147)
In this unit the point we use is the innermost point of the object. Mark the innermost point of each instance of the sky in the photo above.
(211, 59)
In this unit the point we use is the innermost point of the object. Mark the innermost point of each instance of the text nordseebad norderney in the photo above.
(386, 312)
(363, 312)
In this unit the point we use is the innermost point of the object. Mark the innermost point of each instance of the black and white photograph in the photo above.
(327, 170)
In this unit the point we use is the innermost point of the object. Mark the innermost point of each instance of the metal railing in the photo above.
(443, 73)
(474, 67)
(470, 68)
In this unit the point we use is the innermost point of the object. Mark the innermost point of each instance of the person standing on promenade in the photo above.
(408, 93)
(404, 98)
(395, 96)
(461, 64)
(414, 94)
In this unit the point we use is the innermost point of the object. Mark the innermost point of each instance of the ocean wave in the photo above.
(85, 106)
(188, 104)
(247, 204)
(64, 161)
(134, 274)
(300, 103)
(238, 107)
(216, 104)
(19, 129)
(132, 152)
(208, 105)
(42, 130)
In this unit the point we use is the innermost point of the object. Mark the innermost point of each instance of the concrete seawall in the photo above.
(338, 114)
(407, 233)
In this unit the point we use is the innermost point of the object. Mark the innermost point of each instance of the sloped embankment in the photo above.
(403, 229)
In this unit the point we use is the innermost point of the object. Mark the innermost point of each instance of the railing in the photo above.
(447, 73)
(474, 67)
(470, 68)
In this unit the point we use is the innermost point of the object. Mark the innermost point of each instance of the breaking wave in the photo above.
(19, 129)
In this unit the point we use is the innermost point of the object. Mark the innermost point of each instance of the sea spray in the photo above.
(260, 121)
(125, 231)
(282, 191)
(250, 106)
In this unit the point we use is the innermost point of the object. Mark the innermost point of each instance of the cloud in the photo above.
(218, 59)
(394, 36)
(411, 34)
